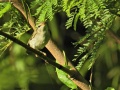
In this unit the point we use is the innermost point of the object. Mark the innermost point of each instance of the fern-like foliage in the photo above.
(12, 26)
(113, 6)
(45, 9)
(96, 15)
(96, 18)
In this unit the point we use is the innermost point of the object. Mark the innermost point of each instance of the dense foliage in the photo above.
(97, 16)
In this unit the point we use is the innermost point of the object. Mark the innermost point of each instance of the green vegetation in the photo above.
(96, 51)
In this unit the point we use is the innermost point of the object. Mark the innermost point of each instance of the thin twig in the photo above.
(35, 51)
(116, 38)
(75, 76)
(75, 79)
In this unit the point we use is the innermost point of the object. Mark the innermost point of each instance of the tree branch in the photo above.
(75, 76)
(116, 38)
(72, 75)
(19, 6)
(43, 57)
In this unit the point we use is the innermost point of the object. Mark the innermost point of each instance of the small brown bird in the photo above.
(40, 37)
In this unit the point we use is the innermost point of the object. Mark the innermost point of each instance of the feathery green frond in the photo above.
(70, 21)
(113, 6)
(45, 9)
(12, 27)
(97, 16)
(97, 19)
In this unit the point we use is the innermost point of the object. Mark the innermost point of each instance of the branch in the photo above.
(72, 75)
(75, 76)
(116, 38)
(43, 57)
(20, 7)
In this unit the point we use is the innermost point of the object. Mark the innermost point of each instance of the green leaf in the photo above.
(7, 7)
(110, 88)
(63, 77)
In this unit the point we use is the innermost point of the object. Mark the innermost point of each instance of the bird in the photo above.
(40, 37)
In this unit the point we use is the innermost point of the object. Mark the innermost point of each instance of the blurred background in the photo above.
(20, 71)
